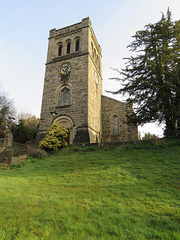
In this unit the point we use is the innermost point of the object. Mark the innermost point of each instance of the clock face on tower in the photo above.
(65, 68)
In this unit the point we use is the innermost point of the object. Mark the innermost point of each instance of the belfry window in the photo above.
(60, 50)
(115, 130)
(94, 56)
(92, 50)
(77, 45)
(97, 61)
(65, 96)
(68, 47)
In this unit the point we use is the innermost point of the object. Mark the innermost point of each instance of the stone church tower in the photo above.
(72, 94)
(73, 83)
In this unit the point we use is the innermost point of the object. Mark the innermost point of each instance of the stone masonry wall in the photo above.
(94, 88)
(112, 108)
(85, 98)
(77, 80)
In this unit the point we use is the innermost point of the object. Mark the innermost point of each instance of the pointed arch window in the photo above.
(65, 96)
(94, 56)
(92, 50)
(115, 127)
(97, 61)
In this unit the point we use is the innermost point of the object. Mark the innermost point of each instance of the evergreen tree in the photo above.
(151, 77)
(26, 128)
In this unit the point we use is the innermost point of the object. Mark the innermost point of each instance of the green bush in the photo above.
(55, 138)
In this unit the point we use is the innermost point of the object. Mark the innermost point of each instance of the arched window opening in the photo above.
(65, 96)
(97, 61)
(115, 125)
(92, 53)
(94, 56)
(77, 45)
(68, 47)
(60, 50)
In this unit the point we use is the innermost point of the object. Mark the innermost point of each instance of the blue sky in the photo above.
(24, 34)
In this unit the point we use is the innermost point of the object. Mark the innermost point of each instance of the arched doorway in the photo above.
(67, 123)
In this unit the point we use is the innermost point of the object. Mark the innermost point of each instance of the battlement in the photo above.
(75, 28)
(69, 29)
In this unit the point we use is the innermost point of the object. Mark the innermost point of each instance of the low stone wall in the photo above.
(6, 155)
(19, 150)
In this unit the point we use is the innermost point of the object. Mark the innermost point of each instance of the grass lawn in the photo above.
(121, 193)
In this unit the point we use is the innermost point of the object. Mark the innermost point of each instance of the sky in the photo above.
(24, 35)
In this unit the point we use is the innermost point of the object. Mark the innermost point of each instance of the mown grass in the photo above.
(129, 192)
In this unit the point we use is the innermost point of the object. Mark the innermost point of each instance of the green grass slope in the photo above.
(122, 193)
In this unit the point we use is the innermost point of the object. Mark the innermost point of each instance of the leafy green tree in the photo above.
(26, 128)
(55, 138)
(151, 77)
(6, 111)
(19, 132)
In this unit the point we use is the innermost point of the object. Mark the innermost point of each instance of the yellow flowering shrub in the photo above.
(55, 138)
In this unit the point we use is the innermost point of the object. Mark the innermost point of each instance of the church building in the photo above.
(72, 95)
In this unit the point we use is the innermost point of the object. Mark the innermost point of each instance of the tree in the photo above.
(6, 111)
(149, 136)
(55, 138)
(26, 128)
(151, 77)
(19, 132)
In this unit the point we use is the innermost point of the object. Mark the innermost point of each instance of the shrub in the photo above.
(55, 138)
